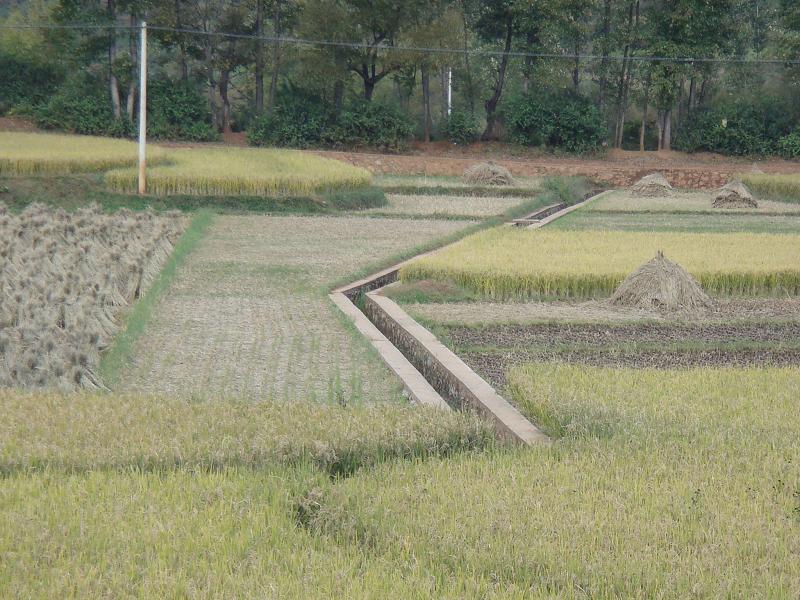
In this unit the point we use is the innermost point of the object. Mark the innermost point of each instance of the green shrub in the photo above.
(25, 83)
(462, 128)
(565, 121)
(175, 111)
(735, 129)
(81, 105)
(302, 121)
(789, 145)
(371, 125)
(297, 121)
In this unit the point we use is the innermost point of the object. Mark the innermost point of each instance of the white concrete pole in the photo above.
(449, 91)
(143, 111)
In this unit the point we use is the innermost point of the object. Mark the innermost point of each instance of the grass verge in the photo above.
(118, 355)
(71, 192)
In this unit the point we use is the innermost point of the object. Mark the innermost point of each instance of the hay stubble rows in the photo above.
(248, 316)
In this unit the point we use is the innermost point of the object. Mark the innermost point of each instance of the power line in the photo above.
(425, 49)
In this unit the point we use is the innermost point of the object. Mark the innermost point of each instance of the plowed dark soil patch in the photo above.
(493, 366)
(544, 336)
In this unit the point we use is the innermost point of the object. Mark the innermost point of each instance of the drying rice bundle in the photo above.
(488, 173)
(63, 278)
(652, 185)
(661, 284)
(734, 195)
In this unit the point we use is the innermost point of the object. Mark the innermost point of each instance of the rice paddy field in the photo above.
(252, 444)
(782, 187)
(509, 262)
(57, 154)
(446, 206)
(683, 201)
(242, 172)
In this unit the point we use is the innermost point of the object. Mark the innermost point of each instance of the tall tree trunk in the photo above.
(182, 62)
(666, 142)
(644, 113)
(660, 126)
(338, 84)
(576, 68)
(225, 112)
(701, 97)
(369, 88)
(113, 84)
(210, 83)
(276, 53)
(426, 103)
(605, 35)
(624, 77)
(259, 69)
(491, 132)
(443, 75)
(131, 99)
(467, 66)
(692, 93)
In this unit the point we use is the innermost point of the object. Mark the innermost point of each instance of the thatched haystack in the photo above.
(734, 195)
(663, 285)
(652, 185)
(488, 173)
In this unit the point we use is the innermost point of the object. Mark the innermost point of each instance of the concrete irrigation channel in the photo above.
(431, 373)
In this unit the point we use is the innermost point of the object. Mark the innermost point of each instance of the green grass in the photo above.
(659, 484)
(506, 262)
(699, 203)
(781, 187)
(587, 220)
(74, 191)
(217, 171)
(120, 352)
(23, 153)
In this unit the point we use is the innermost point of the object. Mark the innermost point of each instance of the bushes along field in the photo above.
(511, 263)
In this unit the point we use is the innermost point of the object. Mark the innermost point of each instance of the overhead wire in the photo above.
(421, 49)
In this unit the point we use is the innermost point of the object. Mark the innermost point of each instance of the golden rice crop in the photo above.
(772, 185)
(56, 154)
(243, 172)
(659, 484)
(512, 263)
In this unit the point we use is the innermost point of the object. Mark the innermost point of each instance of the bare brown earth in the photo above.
(619, 168)
(552, 336)
(493, 350)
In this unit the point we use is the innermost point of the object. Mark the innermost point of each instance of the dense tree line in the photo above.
(574, 74)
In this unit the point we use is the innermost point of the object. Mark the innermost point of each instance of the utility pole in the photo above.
(143, 111)
(449, 91)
